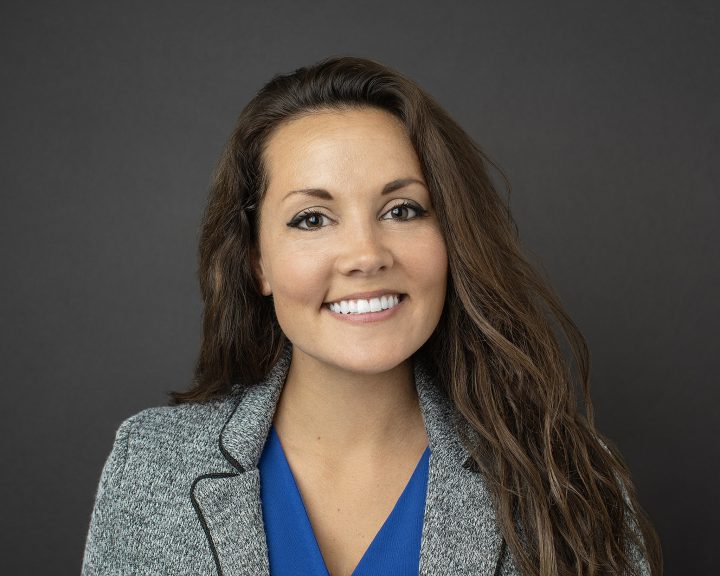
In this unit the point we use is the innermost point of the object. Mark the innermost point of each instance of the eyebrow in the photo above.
(325, 195)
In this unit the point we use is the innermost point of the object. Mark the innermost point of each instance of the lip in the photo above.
(366, 295)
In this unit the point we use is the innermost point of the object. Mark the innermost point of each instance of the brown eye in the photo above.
(312, 219)
(399, 212)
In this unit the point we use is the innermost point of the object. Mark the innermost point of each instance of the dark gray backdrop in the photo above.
(604, 115)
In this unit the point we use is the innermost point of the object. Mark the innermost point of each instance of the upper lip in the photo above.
(365, 295)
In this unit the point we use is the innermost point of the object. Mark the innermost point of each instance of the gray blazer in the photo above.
(180, 491)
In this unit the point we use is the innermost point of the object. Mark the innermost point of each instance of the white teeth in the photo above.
(365, 306)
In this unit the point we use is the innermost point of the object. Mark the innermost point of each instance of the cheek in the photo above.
(427, 259)
(299, 278)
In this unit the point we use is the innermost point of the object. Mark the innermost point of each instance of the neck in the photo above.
(333, 414)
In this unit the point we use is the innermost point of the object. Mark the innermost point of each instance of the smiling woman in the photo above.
(379, 389)
(372, 232)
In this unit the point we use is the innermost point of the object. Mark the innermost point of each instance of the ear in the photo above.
(259, 271)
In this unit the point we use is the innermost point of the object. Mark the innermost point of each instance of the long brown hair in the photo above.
(564, 498)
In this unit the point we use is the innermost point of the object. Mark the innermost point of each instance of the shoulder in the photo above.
(143, 513)
(167, 445)
(186, 431)
(184, 421)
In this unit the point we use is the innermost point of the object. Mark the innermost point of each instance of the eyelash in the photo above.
(295, 222)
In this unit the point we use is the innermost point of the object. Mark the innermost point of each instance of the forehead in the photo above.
(332, 122)
(336, 140)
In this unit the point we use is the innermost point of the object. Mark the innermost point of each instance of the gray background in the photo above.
(604, 115)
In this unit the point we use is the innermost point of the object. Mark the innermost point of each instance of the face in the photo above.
(364, 223)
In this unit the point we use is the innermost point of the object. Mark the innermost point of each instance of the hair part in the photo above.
(564, 498)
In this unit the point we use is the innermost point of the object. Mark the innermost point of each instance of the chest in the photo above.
(348, 507)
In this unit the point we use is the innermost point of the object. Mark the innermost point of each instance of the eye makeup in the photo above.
(310, 212)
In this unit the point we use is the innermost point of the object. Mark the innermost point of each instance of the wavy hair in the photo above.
(564, 498)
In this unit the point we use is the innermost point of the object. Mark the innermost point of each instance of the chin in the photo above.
(379, 368)
(370, 362)
(358, 359)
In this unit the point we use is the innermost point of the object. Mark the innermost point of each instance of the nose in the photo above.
(363, 250)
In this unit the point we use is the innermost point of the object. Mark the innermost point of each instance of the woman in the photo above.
(379, 388)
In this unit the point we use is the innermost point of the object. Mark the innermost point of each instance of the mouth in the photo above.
(363, 307)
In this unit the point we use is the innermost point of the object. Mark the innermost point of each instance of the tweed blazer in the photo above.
(180, 491)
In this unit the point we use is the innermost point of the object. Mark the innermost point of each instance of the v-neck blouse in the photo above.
(292, 546)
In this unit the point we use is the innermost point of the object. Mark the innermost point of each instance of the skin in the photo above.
(348, 416)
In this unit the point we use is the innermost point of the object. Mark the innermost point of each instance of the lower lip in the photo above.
(369, 316)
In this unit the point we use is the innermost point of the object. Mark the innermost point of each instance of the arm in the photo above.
(635, 553)
(640, 562)
(102, 555)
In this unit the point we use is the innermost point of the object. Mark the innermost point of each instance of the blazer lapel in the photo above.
(228, 503)
(228, 506)
(460, 533)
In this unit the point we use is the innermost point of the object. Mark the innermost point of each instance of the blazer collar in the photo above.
(243, 437)
(459, 535)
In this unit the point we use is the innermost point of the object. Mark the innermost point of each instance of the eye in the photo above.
(400, 209)
(308, 216)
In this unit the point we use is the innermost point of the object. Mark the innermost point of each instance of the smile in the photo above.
(365, 306)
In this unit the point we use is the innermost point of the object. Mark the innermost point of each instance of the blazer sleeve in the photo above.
(102, 546)
(638, 559)
(636, 555)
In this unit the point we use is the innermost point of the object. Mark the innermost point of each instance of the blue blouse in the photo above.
(292, 546)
